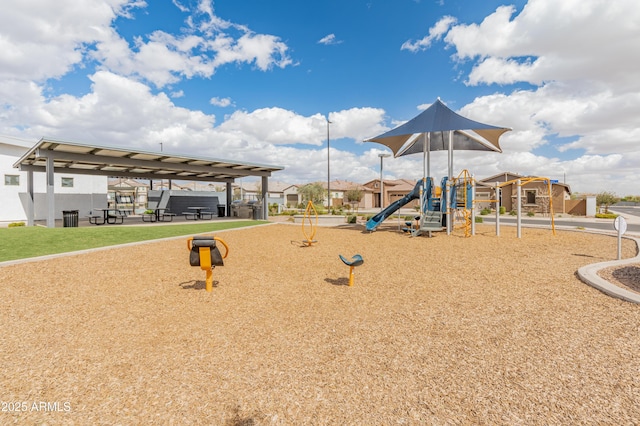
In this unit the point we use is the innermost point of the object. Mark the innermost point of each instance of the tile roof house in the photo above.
(535, 193)
(338, 188)
(394, 189)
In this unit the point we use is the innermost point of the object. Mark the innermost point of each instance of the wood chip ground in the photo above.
(443, 330)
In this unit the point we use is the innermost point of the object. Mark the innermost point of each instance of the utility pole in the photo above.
(328, 169)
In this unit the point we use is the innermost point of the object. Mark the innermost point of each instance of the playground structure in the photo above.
(454, 202)
(356, 260)
(434, 207)
(312, 226)
(204, 252)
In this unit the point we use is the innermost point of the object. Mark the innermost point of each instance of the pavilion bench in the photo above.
(113, 216)
(149, 217)
(190, 215)
(167, 217)
(96, 219)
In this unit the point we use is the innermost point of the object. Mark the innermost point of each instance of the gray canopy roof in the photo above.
(438, 120)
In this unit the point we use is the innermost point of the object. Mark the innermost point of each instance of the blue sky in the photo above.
(255, 80)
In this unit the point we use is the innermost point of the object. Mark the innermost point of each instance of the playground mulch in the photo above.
(442, 330)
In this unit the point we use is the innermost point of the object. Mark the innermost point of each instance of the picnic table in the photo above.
(199, 212)
(109, 215)
(159, 214)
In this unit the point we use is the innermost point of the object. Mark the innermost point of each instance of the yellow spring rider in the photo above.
(205, 254)
(313, 227)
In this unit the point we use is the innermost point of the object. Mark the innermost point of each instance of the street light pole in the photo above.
(328, 170)
(382, 156)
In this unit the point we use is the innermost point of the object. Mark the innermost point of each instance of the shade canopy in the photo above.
(438, 120)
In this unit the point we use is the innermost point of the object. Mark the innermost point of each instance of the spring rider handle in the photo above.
(205, 254)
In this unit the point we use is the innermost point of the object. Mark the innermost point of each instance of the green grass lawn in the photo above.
(24, 242)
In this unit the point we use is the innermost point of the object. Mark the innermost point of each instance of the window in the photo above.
(531, 197)
(12, 180)
(67, 182)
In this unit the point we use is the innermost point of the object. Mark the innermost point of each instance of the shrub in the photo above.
(530, 213)
(513, 212)
(503, 209)
(15, 224)
(479, 219)
(485, 211)
(606, 215)
(352, 218)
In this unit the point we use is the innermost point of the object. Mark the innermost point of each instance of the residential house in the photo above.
(339, 189)
(534, 193)
(393, 191)
(128, 194)
(250, 191)
(291, 196)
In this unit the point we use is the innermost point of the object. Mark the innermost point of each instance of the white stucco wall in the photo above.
(87, 191)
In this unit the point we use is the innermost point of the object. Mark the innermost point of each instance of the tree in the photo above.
(354, 196)
(313, 192)
(606, 198)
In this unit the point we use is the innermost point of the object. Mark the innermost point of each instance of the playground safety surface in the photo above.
(443, 330)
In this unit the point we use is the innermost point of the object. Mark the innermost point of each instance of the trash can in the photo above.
(70, 218)
(221, 210)
(257, 212)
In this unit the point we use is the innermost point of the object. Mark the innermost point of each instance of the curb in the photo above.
(589, 275)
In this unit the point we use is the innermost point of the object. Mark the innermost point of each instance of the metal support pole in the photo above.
(265, 198)
(473, 205)
(381, 183)
(328, 169)
(519, 207)
(229, 199)
(498, 192)
(51, 203)
(449, 183)
(30, 199)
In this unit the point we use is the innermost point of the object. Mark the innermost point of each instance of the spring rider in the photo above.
(313, 227)
(205, 254)
(355, 261)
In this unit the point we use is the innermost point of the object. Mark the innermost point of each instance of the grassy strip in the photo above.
(25, 242)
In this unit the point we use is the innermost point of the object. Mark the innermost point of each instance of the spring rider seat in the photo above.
(205, 254)
(355, 261)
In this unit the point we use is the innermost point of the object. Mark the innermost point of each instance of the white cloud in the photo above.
(435, 33)
(221, 102)
(578, 58)
(329, 39)
(42, 40)
(576, 55)
(550, 41)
